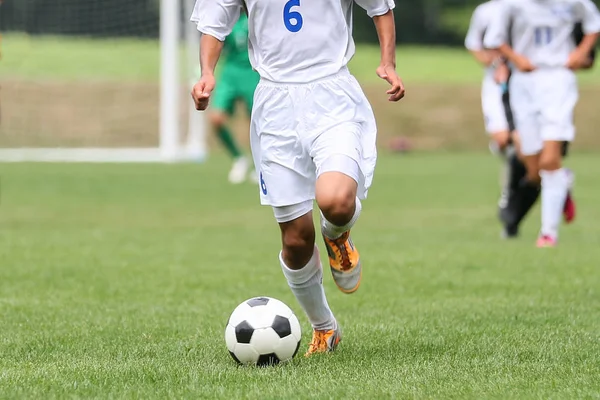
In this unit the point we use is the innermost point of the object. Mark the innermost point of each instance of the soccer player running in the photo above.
(498, 116)
(543, 89)
(313, 131)
(496, 121)
(237, 81)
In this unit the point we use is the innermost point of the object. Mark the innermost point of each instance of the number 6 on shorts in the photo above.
(292, 19)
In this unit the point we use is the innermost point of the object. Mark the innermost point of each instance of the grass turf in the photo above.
(116, 282)
(51, 57)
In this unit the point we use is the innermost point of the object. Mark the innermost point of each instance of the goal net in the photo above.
(98, 81)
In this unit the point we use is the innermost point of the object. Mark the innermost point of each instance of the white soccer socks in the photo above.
(333, 231)
(555, 186)
(307, 286)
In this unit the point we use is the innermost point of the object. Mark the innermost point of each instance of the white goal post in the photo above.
(174, 144)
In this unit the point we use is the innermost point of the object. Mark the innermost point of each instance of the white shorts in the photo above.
(543, 102)
(494, 114)
(296, 127)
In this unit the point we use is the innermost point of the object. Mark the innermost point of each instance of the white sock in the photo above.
(307, 286)
(555, 186)
(333, 231)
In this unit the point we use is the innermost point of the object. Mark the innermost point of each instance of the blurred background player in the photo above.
(237, 81)
(496, 122)
(537, 38)
(497, 114)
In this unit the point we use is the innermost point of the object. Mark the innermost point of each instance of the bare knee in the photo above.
(298, 241)
(337, 205)
(533, 168)
(551, 157)
(336, 197)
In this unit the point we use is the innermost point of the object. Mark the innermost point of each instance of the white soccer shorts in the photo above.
(543, 102)
(296, 127)
(494, 114)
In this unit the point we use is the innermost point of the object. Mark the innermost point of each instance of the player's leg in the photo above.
(494, 115)
(301, 265)
(496, 112)
(525, 187)
(560, 97)
(287, 180)
(222, 108)
(340, 208)
(344, 153)
(499, 124)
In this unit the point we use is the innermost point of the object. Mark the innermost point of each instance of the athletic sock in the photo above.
(555, 186)
(307, 286)
(228, 141)
(333, 231)
(517, 171)
(520, 200)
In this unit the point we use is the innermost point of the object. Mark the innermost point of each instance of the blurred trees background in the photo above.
(418, 21)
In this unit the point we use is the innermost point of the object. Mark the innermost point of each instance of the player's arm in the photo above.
(497, 38)
(474, 41)
(383, 16)
(590, 31)
(215, 20)
(210, 51)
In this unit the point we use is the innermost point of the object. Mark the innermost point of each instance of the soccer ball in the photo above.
(262, 331)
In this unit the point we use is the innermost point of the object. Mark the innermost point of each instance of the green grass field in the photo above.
(69, 58)
(116, 281)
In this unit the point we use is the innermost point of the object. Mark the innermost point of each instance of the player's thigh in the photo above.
(494, 112)
(559, 95)
(525, 106)
(224, 97)
(342, 132)
(286, 172)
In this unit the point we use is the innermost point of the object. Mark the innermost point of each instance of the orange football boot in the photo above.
(344, 262)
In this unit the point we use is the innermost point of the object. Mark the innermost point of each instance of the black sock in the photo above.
(517, 171)
(520, 200)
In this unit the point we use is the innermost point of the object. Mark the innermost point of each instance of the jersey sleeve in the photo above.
(474, 38)
(375, 8)
(589, 16)
(497, 32)
(216, 17)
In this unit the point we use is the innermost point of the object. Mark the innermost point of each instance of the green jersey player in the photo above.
(237, 81)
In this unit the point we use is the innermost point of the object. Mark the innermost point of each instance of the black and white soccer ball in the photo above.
(262, 331)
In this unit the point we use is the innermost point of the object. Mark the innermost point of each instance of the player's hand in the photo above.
(577, 60)
(202, 91)
(523, 64)
(388, 73)
(501, 74)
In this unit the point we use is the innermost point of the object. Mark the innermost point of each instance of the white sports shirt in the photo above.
(542, 30)
(480, 21)
(290, 41)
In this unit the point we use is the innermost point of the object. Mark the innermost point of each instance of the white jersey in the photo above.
(290, 41)
(480, 21)
(542, 30)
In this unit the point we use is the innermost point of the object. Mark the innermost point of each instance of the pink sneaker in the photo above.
(569, 209)
(546, 241)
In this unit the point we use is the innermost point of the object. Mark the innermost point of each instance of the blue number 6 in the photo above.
(289, 16)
